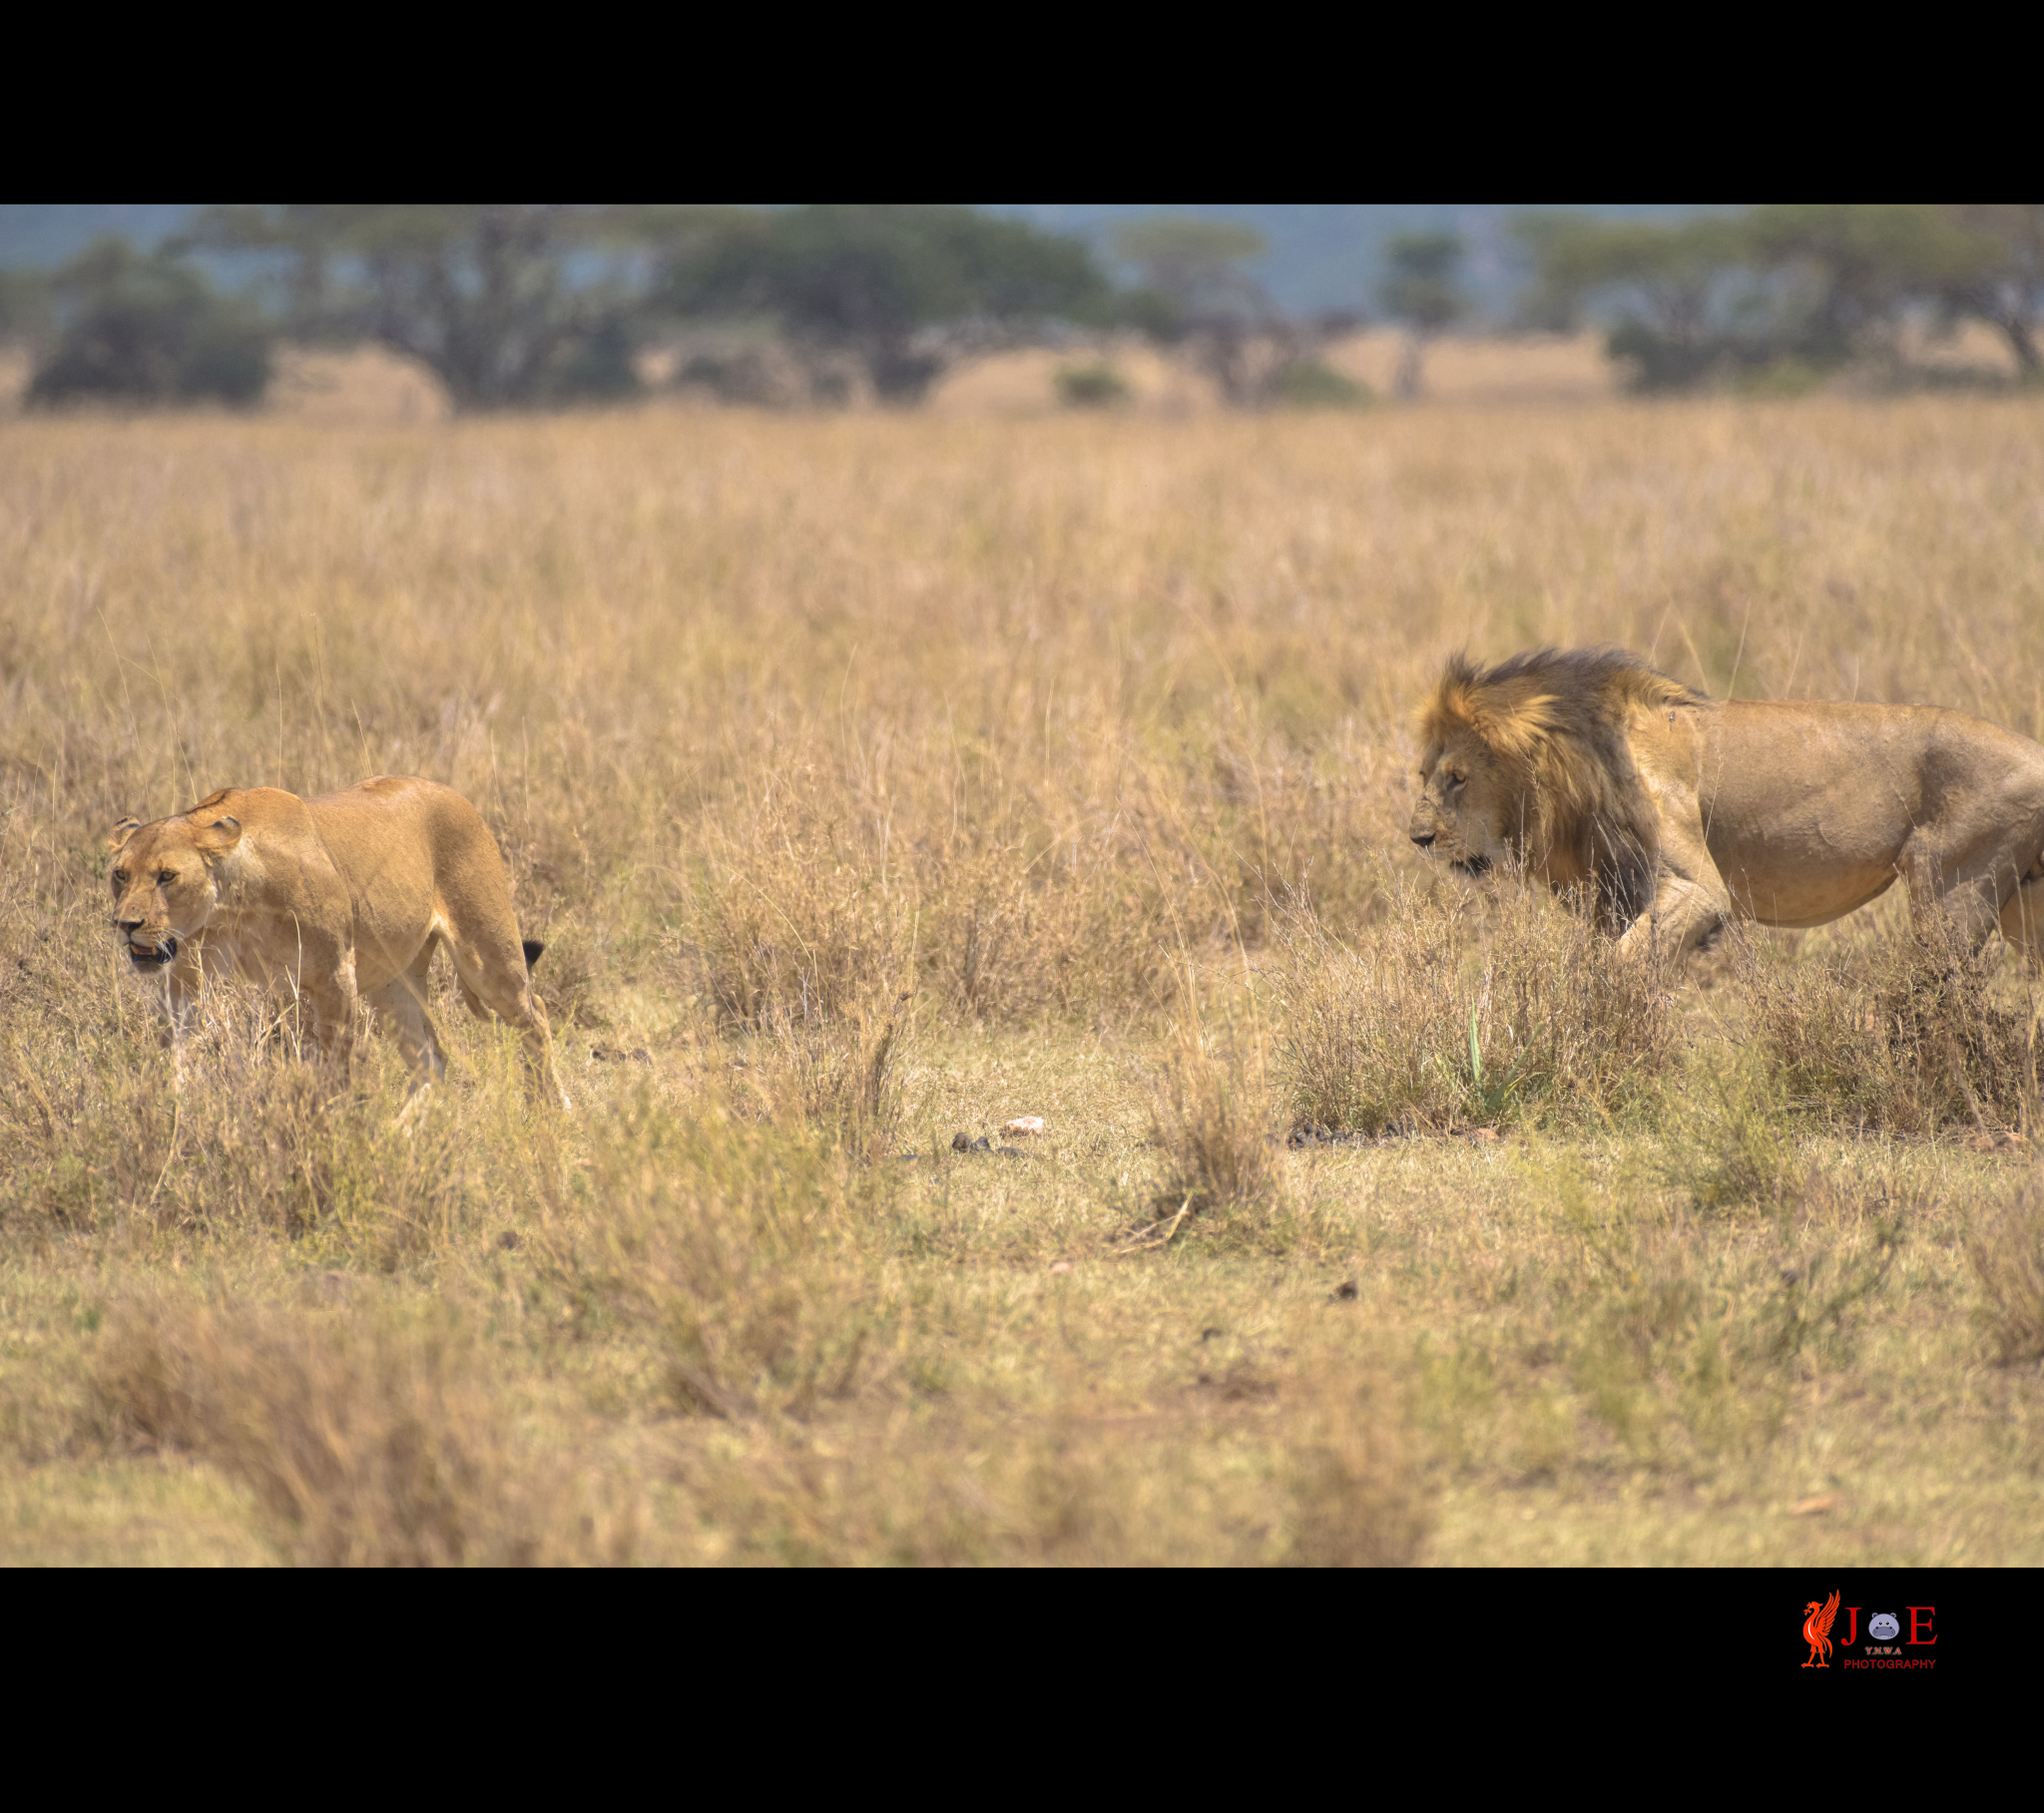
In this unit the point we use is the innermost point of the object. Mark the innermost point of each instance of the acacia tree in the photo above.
(1422, 290)
(1672, 268)
(1209, 302)
(507, 303)
(1196, 265)
(1194, 292)
(903, 290)
(1810, 282)
(2007, 289)
(1844, 274)
(148, 329)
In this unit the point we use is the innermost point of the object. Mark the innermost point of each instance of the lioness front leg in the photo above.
(180, 1002)
(1684, 915)
(336, 1017)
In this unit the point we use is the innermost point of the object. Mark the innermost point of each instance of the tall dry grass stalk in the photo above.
(839, 1077)
(1465, 1009)
(735, 1242)
(372, 1439)
(1905, 1033)
(2007, 1253)
(1358, 1485)
(1689, 1346)
(1217, 1127)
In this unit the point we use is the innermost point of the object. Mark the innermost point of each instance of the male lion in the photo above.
(336, 899)
(1672, 812)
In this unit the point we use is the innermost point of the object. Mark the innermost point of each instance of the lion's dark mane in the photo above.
(1556, 722)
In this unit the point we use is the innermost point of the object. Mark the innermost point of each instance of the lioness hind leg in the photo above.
(497, 978)
(402, 1003)
(2022, 920)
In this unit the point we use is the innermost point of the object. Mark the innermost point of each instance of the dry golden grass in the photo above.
(361, 386)
(2007, 1250)
(875, 779)
(364, 1441)
(1507, 369)
(1453, 1011)
(1903, 1032)
(1516, 369)
(1217, 1125)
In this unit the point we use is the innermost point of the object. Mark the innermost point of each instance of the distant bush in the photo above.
(1091, 387)
(1788, 377)
(750, 375)
(1752, 367)
(150, 330)
(1308, 385)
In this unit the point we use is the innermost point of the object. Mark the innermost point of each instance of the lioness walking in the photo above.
(1671, 813)
(338, 899)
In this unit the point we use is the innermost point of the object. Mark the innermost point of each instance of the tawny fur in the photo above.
(1671, 813)
(338, 901)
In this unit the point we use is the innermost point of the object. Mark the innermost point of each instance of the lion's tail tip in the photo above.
(534, 950)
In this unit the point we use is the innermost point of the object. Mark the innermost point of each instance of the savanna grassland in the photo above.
(874, 780)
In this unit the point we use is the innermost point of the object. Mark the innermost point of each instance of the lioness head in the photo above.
(165, 881)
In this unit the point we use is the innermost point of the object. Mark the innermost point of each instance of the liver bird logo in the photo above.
(1816, 1630)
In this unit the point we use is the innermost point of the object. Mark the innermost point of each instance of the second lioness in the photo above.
(338, 900)
(1670, 812)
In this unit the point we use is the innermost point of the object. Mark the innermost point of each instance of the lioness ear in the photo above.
(221, 834)
(122, 832)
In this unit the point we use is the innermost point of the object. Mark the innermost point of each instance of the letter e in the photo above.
(1925, 1623)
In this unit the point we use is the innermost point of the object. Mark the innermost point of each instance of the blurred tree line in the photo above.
(523, 305)
(528, 304)
(1795, 289)
(114, 322)
(1196, 295)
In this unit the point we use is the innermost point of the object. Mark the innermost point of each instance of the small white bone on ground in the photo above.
(1023, 1124)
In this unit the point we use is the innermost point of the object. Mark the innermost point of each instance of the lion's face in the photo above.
(164, 884)
(1463, 813)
